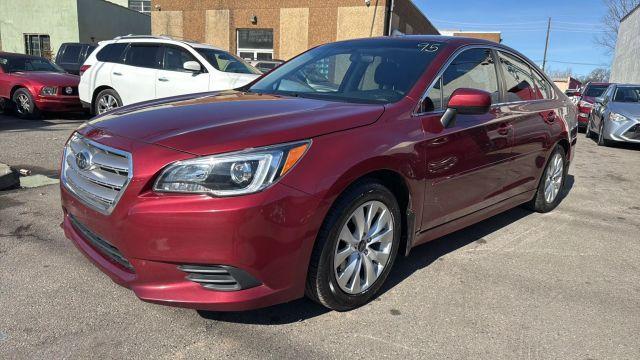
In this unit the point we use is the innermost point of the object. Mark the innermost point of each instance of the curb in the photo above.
(9, 177)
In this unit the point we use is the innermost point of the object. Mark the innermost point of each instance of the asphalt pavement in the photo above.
(563, 285)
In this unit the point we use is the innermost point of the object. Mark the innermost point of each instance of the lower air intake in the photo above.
(219, 277)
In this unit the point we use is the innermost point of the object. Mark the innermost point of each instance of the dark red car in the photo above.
(31, 84)
(587, 98)
(314, 178)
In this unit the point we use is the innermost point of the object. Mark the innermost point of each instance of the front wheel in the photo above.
(24, 105)
(356, 247)
(549, 191)
(601, 140)
(588, 133)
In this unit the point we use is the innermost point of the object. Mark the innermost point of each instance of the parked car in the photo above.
(251, 197)
(71, 56)
(31, 84)
(616, 115)
(266, 66)
(132, 69)
(586, 99)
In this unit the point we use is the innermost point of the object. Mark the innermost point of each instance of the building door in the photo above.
(255, 44)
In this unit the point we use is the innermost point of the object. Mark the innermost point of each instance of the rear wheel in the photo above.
(356, 247)
(24, 105)
(106, 100)
(549, 191)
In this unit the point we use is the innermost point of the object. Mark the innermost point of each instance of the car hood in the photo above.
(49, 78)
(211, 123)
(627, 109)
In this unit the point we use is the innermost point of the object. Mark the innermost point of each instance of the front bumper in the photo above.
(623, 131)
(58, 103)
(268, 235)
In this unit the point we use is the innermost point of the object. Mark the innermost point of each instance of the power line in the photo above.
(573, 63)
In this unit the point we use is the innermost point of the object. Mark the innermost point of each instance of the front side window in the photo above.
(473, 69)
(627, 94)
(225, 62)
(366, 71)
(518, 78)
(25, 64)
(142, 55)
(174, 58)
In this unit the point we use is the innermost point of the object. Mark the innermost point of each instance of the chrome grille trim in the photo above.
(101, 185)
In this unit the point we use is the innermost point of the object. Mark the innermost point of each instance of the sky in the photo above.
(574, 25)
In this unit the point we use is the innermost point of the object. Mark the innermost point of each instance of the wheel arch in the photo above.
(97, 91)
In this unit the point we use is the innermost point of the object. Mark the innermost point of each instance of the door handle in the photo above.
(163, 79)
(504, 128)
(117, 73)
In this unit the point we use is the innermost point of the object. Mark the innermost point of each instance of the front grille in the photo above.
(101, 245)
(219, 277)
(95, 173)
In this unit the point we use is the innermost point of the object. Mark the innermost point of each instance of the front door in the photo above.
(174, 80)
(467, 162)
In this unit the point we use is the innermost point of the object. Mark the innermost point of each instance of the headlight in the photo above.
(48, 91)
(238, 173)
(617, 117)
(586, 104)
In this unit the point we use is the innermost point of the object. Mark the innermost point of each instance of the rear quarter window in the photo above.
(112, 53)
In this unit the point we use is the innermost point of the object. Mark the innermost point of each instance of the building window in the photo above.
(37, 44)
(255, 44)
(143, 6)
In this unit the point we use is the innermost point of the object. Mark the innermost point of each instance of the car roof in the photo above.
(18, 55)
(159, 40)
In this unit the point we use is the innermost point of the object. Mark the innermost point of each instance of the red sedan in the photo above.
(32, 84)
(315, 177)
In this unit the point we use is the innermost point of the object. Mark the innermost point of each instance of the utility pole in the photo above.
(546, 45)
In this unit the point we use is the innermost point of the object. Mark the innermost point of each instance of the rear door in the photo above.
(135, 79)
(173, 79)
(466, 162)
(533, 110)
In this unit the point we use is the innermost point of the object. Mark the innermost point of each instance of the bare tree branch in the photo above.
(616, 10)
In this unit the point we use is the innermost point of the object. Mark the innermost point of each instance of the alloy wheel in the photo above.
(23, 103)
(106, 103)
(364, 247)
(553, 181)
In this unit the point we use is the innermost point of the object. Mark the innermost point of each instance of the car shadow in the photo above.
(419, 258)
(11, 122)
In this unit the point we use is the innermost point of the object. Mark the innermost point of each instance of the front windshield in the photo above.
(595, 90)
(627, 94)
(373, 71)
(23, 64)
(223, 61)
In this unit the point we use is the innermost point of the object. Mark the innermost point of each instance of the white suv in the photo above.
(131, 69)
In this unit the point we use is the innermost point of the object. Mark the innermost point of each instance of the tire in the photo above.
(323, 285)
(24, 105)
(105, 101)
(601, 140)
(587, 132)
(540, 202)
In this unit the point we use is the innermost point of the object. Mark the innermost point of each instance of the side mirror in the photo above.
(192, 66)
(599, 100)
(465, 101)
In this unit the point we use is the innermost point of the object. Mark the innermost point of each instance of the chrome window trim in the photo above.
(106, 148)
(470, 47)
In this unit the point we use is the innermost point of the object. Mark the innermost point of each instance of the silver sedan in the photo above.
(616, 115)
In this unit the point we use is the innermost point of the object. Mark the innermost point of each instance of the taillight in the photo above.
(84, 68)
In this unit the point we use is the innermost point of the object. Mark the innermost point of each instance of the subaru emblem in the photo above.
(83, 160)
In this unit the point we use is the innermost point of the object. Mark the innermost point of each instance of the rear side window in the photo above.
(542, 87)
(143, 55)
(111, 53)
(518, 78)
(174, 58)
(71, 54)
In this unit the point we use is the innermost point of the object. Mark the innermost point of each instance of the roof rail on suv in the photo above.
(131, 36)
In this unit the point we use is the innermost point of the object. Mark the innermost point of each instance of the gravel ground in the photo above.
(563, 285)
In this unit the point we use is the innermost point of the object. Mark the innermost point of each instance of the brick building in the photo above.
(495, 36)
(281, 29)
